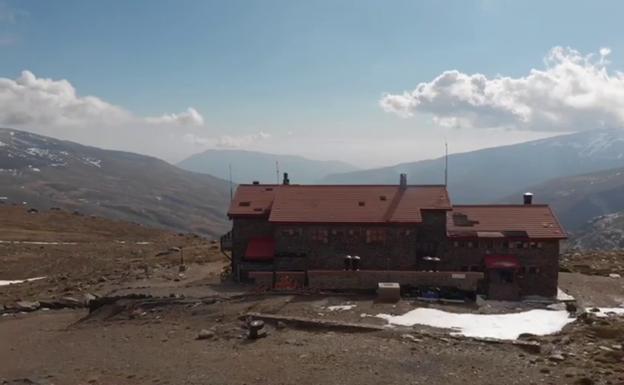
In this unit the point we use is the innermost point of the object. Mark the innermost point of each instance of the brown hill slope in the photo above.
(590, 206)
(46, 172)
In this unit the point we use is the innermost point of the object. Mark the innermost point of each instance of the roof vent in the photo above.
(361, 203)
(255, 182)
(382, 197)
(244, 204)
(528, 198)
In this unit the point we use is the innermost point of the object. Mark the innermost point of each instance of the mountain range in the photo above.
(591, 207)
(43, 172)
(580, 175)
(249, 166)
(492, 174)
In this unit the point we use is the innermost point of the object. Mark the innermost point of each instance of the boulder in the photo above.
(205, 334)
(27, 305)
(88, 297)
(70, 302)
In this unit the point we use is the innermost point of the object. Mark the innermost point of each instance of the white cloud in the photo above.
(29, 100)
(53, 107)
(188, 117)
(573, 92)
(228, 141)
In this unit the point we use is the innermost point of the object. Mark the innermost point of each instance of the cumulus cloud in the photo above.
(30, 100)
(188, 117)
(53, 107)
(572, 92)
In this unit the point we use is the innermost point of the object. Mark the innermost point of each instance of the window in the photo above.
(473, 244)
(319, 235)
(540, 245)
(534, 270)
(375, 235)
(533, 245)
(291, 232)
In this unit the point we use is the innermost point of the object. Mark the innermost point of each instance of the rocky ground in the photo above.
(171, 327)
(594, 262)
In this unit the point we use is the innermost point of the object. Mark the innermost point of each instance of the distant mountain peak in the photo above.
(248, 166)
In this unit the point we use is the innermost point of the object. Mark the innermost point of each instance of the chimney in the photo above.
(286, 180)
(528, 198)
(403, 181)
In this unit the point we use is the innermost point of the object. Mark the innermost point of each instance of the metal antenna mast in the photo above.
(230, 169)
(445, 163)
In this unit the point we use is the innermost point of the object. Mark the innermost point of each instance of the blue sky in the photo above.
(307, 75)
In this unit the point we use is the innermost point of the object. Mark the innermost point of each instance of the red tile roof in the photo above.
(252, 199)
(534, 221)
(340, 203)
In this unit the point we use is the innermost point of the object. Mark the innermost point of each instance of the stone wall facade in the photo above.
(538, 259)
(396, 247)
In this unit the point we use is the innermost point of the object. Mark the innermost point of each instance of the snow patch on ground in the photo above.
(15, 282)
(563, 296)
(39, 243)
(604, 312)
(93, 162)
(340, 307)
(498, 326)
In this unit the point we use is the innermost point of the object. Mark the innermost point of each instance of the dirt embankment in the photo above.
(78, 254)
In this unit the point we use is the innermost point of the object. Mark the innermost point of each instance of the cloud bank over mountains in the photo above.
(53, 107)
(573, 92)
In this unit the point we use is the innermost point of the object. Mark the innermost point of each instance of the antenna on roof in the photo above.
(445, 162)
(230, 169)
(277, 172)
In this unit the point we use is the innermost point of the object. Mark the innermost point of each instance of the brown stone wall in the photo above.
(242, 230)
(380, 247)
(386, 247)
(369, 279)
(539, 266)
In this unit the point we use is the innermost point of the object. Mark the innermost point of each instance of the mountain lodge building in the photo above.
(347, 237)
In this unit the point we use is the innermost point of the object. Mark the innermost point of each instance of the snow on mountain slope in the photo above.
(492, 174)
(46, 172)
